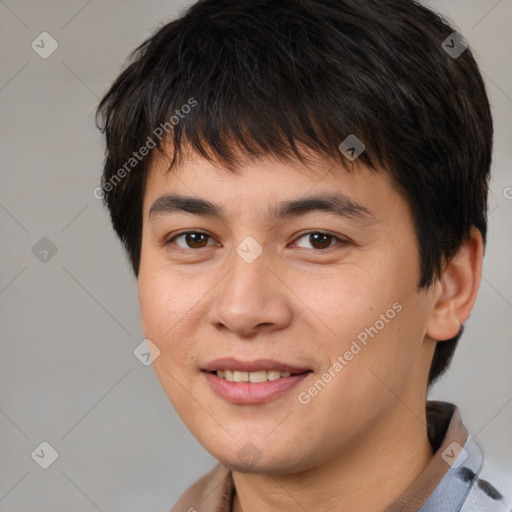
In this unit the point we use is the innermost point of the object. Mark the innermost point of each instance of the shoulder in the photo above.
(211, 493)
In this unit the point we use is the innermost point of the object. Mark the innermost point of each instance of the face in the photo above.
(300, 280)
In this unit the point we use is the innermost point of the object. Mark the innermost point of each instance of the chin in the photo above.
(250, 460)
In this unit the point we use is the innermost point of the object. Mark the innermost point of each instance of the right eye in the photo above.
(191, 239)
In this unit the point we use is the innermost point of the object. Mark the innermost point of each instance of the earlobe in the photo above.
(457, 289)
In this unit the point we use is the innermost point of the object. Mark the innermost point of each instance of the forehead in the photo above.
(267, 186)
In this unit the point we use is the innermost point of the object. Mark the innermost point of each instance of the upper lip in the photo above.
(230, 363)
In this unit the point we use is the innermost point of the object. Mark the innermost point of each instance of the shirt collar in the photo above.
(452, 446)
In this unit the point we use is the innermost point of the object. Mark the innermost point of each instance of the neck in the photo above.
(370, 475)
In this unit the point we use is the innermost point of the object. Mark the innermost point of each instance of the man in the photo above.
(301, 187)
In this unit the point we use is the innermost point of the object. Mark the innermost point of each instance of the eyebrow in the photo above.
(337, 203)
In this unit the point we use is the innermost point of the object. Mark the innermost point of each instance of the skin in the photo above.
(304, 305)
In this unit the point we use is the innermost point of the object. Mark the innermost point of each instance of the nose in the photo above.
(251, 298)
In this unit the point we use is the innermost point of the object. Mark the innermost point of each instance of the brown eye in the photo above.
(318, 240)
(193, 240)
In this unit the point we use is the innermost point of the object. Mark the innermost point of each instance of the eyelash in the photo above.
(169, 240)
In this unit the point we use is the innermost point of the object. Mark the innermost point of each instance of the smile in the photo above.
(259, 376)
(253, 382)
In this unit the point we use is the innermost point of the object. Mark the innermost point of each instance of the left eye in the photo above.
(319, 240)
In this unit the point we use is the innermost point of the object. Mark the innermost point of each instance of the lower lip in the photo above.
(252, 392)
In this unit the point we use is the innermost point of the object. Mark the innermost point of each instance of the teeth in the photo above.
(241, 376)
(259, 376)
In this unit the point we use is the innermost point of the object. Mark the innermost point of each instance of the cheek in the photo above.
(164, 303)
(371, 319)
(163, 308)
(155, 306)
(344, 302)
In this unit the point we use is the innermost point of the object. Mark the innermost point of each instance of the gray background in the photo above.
(69, 325)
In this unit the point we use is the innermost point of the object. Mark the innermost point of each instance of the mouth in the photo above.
(252, 382)
(254, 377)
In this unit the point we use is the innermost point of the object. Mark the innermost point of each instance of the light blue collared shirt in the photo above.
(461, 489)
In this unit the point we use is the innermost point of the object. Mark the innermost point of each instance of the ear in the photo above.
(456, 291)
